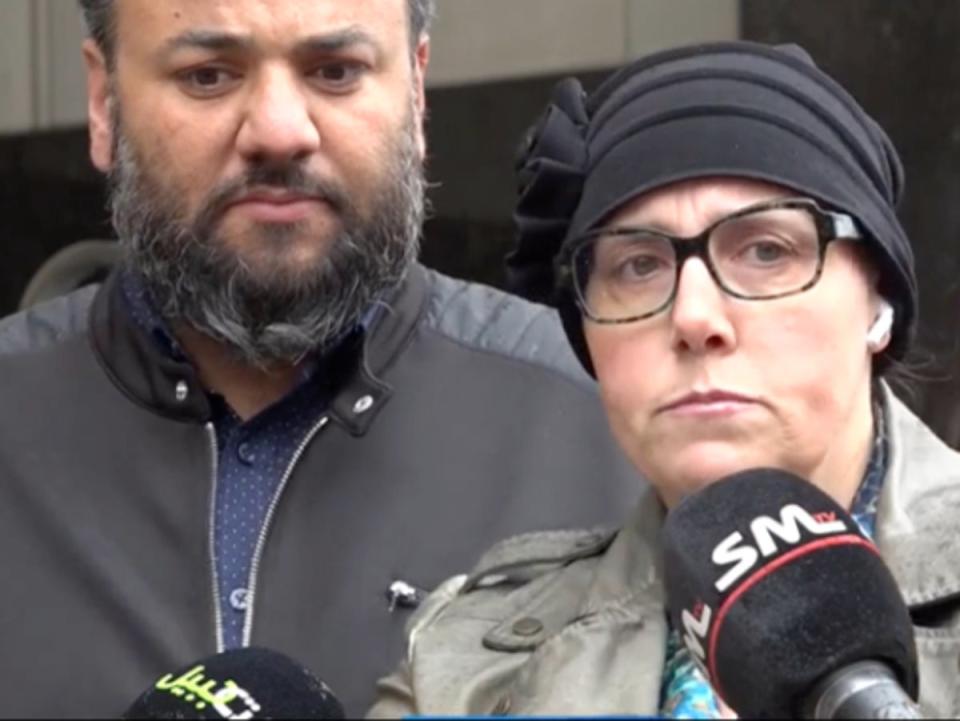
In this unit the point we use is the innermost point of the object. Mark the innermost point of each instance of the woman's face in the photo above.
(715, 384)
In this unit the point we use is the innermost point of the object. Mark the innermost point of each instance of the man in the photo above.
(271, 426)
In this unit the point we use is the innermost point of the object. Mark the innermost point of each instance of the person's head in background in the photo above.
(265, 159)
(716, 224)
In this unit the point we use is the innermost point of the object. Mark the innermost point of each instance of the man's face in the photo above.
(263, 139)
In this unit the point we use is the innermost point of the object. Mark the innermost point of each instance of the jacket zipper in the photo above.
(217, 617)
(265, 528)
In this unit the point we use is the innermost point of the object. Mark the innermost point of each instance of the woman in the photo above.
(718, 223)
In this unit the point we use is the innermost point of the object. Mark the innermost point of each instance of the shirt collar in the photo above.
(864, 506)
(145, 314)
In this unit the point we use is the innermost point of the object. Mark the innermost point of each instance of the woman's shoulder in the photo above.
(527, 629)
(509, 575)
(919, 460)
(918, 506)
(472, 634)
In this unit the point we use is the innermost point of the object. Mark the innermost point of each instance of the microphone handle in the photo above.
(864, 690)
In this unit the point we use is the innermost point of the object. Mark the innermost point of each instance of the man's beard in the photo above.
(268, 316)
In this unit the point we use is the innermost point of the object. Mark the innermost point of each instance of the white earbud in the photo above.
(881, 327)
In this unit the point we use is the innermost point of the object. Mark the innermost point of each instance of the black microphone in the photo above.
(785, 605)
(245, 683)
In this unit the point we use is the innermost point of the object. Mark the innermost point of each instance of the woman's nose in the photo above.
(700, 314)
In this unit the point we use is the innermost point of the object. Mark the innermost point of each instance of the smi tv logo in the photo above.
(742, 555)
(696, 626)
(735, 550)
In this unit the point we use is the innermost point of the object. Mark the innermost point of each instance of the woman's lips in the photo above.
(708, 404)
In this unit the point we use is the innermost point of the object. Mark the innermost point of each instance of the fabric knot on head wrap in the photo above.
(739, 109)
(550, 171)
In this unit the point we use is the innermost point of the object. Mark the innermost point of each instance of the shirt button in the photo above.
(238, 599)
(246, 454)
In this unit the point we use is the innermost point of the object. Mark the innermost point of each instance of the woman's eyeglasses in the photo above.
(766, 251)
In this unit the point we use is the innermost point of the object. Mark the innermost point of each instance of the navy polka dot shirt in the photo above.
(254, 460)
(253, 464)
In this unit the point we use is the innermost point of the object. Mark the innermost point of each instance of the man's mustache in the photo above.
(290, 179)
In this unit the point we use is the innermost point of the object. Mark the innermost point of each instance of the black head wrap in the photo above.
(734, 109)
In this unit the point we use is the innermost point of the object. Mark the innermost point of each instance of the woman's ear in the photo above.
(881, 330)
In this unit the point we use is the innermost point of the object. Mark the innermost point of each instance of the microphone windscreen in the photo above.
(772, 586)
(240, 684)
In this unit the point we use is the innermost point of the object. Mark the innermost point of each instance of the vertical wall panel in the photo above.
(495, 39)
(656, 25)
(498, 39)
(16, 66)
(65, 82)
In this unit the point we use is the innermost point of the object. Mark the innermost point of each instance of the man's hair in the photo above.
(99, 18)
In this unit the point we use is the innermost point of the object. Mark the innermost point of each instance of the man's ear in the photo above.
(421, 60)
(99, 102)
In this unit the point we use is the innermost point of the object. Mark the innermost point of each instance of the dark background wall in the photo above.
(899, 59)
(50, 196)
(473, 133)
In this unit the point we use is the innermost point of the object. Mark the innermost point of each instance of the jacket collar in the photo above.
(170, 387)
(918, 509)
(632, 567)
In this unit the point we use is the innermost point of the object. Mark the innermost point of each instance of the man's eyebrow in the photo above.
(326, 43)
(338, 41)
(208, 40)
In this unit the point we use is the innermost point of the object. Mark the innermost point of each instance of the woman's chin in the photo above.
(694, 468)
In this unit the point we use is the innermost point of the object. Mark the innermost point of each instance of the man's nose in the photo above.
(699, 314)
(278, 124)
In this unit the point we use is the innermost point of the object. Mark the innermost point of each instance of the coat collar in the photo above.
(632, 567)
(919, 508)
(170, 387)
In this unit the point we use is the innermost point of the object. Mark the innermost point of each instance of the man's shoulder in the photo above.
(46, 325)
(487, 320)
